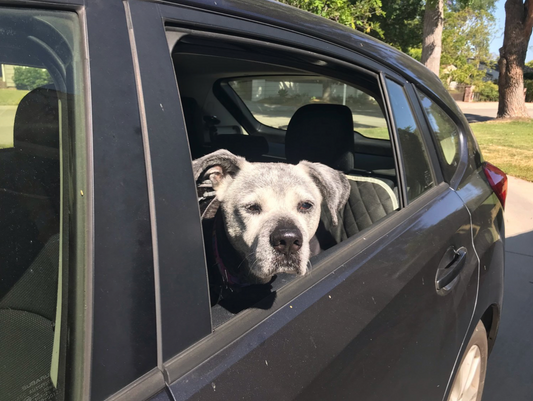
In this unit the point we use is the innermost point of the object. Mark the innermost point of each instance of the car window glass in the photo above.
(446, 134)
(273, 100)
(419, 177)
(40, 74)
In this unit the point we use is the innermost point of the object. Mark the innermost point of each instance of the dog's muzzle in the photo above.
(286, 239)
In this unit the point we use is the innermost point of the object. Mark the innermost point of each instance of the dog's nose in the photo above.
(286, 240)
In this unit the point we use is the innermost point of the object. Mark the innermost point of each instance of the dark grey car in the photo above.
(103, 279)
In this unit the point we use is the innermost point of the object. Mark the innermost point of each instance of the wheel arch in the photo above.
(491, 321)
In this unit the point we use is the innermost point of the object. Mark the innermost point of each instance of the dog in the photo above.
(260, 219)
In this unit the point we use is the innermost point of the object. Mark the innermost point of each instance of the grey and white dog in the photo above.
(271, 211)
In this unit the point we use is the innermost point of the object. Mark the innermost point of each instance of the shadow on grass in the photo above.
(476, 118)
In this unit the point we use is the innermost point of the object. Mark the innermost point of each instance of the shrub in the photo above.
(29, 78)
(488, 92)
(528, 84)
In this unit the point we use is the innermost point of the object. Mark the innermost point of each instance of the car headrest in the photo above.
(36, 127)
(321, 133)
(250, 147)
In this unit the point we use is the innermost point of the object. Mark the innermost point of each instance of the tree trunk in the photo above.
(432, 35)
(327, 88)
(518, 24)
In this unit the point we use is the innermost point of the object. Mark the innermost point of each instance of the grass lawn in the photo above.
(11, 97)
(376, 133)
(507, 145)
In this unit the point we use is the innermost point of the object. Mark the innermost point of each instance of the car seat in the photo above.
(247, 146)
(29, 185)
(323, 133)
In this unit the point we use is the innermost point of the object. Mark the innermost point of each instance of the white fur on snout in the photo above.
(277, 190)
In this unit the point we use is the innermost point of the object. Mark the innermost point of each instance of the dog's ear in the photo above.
(217, 166)
(333, 185)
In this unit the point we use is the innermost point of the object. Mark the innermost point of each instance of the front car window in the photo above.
(273, 100)
(446, 134)
(419, 176)
(40, 109)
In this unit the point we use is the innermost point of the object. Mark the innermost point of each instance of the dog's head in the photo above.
(272, 210)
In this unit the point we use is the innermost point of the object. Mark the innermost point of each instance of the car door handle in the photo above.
(450, 266)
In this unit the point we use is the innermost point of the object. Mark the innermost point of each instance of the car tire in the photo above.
(470, 376)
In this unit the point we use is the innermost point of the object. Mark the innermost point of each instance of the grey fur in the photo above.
(332, 183)
(278, 189)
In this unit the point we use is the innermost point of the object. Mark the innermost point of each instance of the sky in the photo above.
(497, 41)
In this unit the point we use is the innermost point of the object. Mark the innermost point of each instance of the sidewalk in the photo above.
(510, 369)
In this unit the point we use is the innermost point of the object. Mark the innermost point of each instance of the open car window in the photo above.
(269, 107)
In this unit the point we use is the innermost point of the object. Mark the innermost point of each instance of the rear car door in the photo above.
(369, 320)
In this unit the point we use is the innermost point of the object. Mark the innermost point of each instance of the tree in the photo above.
(518, 25)
(433, 26)
(30, 78)
(432, 35)
(357, 14)
(475, 5)
(465, 44)
(401, 24)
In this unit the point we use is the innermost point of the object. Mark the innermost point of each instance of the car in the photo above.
(103, 284)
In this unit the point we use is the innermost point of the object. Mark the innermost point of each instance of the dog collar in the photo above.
(229, 280)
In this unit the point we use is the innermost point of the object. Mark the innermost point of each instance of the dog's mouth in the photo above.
(287, 264)
(277, 263)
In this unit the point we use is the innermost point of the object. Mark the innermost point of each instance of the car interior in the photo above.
(280, 106)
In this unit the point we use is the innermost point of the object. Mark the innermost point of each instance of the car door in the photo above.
(369, 321)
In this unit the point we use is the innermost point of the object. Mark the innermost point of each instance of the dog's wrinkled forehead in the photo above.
(278, 178)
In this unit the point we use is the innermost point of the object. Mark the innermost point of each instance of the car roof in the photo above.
(278, 14)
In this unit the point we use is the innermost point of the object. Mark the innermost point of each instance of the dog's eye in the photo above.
(304, 206)
(254, 208)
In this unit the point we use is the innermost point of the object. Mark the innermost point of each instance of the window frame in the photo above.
(453, 181)
(434, 163)
(118, 365)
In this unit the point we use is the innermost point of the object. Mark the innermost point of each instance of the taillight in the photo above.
(497, 180)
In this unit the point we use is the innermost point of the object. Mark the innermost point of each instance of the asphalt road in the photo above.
(510, 370)
(484, 111)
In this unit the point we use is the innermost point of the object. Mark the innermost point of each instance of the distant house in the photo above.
(491, 71)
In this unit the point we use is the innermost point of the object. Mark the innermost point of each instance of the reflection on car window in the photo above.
(15, 83)
(36, 113)
(274, 99)
(446, 133)
(419, 176)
